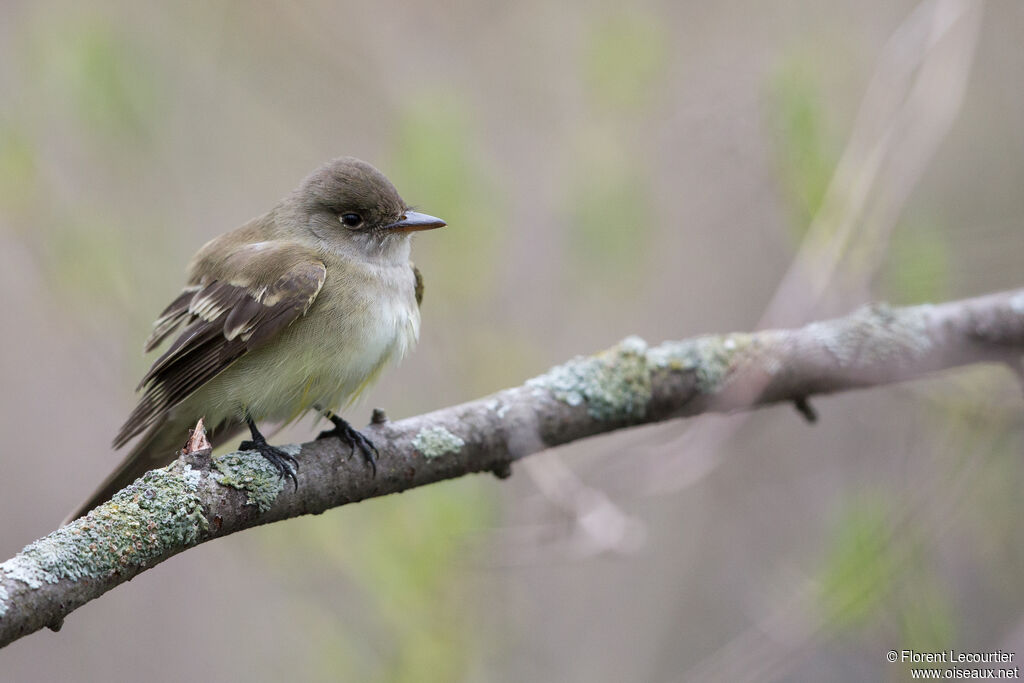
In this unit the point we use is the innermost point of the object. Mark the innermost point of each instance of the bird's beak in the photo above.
(412, 220)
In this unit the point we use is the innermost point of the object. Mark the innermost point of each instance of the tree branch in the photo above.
(196, 499)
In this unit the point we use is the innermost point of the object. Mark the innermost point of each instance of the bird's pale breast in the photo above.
(368, 319)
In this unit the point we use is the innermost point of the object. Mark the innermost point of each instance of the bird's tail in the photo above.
(156, 448)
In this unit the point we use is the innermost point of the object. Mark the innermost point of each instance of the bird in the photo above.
(298, 310)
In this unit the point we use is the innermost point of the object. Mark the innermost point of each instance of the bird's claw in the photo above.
(285, 464)
(354, 438)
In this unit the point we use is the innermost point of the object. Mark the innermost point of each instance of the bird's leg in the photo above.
(286, 465)
(350, 435)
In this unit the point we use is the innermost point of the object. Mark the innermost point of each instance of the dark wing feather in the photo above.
(225, 320)
(171, 317)
(419, 284)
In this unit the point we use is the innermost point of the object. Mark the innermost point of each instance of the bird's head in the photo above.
(350, 204)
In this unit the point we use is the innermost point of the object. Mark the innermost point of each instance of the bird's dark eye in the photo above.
(351, 220)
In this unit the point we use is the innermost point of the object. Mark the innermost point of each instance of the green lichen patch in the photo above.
(614, 385)
(250, 472)
(709, 358)
(433, 442)
(158, 513)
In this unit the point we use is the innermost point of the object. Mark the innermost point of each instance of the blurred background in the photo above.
(662, 169)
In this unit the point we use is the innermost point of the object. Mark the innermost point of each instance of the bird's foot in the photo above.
(285, 464)
(353, 437)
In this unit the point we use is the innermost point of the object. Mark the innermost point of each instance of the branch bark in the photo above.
(197, 498)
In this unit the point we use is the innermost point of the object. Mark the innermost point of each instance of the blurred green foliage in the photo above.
(87, 261)
(405, 555)
(434, 161)
(18, 171)
(985, 477)
(414, 562)
(90, 93)
(878, 571)
(917, 265)
(860, 567)
(609, 216)
(926, 615)
(92, 70)
(625, 58)
(917, 260)
(804, 150)
(608, 203)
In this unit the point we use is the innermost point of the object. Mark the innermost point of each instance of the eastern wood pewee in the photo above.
(298, 309)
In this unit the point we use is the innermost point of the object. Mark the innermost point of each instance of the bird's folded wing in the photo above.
(243, 301)
(418, 277)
